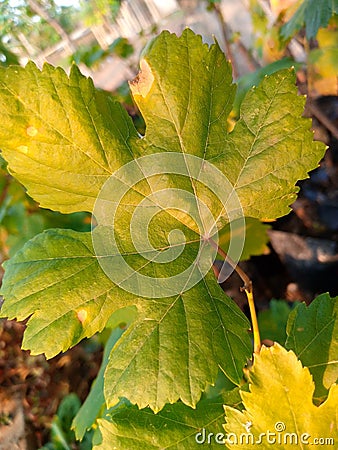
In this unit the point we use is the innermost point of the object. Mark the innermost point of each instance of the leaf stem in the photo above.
(254, 321)
(247, 288)
(246, 280)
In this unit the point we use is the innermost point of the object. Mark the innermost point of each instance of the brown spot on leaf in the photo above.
(82, 315)
(143, 82)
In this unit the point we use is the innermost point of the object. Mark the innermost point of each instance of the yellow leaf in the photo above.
(279, 411)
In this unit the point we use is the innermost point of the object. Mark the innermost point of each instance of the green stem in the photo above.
(247, 288)
(254, 321)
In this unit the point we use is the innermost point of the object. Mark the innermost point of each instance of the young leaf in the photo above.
(313, 15)
(313, 336)
(176, 427)
(279, 408)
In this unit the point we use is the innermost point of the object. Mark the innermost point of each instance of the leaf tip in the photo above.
(31, 65)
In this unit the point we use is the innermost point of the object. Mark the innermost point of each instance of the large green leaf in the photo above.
(312, 14)
(313, 335)
(90, 409)
(179, 342)
(70, 138)
(57, 134)
(176, 427)
(183, 87)
(279, 411)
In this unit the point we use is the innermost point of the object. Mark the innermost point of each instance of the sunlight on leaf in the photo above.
(280, 403)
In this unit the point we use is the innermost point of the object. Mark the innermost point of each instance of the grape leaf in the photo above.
(94, 402)
(177, 98)
(272, 322)
(177, 427)
(176, 343)
(56, 279)
(70, 138)
(313, 15)
(279, 405)
(312, 334)
(256, 237)
(57, 134)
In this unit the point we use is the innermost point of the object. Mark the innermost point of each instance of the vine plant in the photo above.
(163, 205)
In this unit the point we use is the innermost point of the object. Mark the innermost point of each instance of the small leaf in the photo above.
(256, 237)
(311, 13)
(89, 411)
(272, 322)
(279, 406)
(312, 334)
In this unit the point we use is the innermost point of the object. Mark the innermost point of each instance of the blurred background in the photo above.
(105, 37)
(295, 258)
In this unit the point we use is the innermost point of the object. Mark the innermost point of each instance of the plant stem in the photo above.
(313, 110)
(247, 288)
(246, 280)
(254, 321)
(228, 49)
(316, 112)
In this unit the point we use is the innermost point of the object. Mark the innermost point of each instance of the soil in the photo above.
(32, 387)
